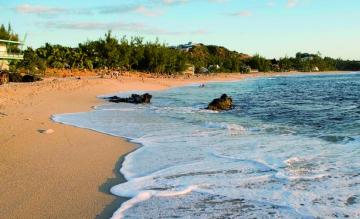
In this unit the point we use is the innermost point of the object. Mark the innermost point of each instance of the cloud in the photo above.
(38, 9)
(292, 3)
(113, 9)
(217, 1)
(271, 3)
(147, 12)
(46, 10)
(240, 14)
(138, 28)
(147, 9)
(174, 2)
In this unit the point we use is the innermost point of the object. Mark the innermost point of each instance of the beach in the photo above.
(64, 173)
(50, 170)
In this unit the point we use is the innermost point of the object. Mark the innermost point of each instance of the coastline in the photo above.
(32, 164)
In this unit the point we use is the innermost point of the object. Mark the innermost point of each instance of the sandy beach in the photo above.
(63, 174)
(66, 173)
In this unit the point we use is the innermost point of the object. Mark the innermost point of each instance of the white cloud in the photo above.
(241, 14)
(292, 3)
(147, 12)
(172, 2)
(46, 10)
(217, 1)
(137, 28)
(271, 3)
(37, 9)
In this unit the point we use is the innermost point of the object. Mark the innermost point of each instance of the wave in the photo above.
(143, 196)
(226, 165)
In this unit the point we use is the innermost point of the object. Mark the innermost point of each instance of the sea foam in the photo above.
(266, 158)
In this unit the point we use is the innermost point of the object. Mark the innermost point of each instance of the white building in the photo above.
(6, 55)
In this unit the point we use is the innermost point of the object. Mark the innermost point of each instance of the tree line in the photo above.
(136, 55)
(108, 53)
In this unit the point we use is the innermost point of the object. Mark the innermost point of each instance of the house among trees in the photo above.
(184, 47)
(9, 51)
(190, 70)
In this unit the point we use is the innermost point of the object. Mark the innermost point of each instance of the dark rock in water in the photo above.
(219, 104)
(351, 200)
(30, 78)
(134, 98)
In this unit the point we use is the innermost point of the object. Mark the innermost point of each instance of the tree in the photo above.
(285, 64)
(260, 63)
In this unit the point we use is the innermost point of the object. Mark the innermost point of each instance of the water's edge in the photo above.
(110, 209)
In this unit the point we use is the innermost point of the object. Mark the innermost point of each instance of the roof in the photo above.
(10, 41)
(11, 56)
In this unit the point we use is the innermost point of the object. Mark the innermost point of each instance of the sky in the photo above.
(271, 28)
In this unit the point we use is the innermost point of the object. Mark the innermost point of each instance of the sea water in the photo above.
(290, 148)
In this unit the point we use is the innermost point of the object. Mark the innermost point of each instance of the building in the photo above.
(184, 47)
(7, 55)
(190, 70)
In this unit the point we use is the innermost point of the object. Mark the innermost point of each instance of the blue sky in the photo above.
(273, 28)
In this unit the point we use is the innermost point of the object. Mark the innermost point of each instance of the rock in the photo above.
(219, 104)
(134, 98)
(4, 77)
(351, 200)
(15, 77)
(30, 78)
(47, 131)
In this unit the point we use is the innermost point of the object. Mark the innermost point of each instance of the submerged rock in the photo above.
(134, 99)
(219, 104)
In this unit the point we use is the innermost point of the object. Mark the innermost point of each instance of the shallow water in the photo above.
(289, 149)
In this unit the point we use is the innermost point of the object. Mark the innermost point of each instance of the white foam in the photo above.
(145, 195)
(293, 160)
(184, 157)
(232, 128)
(125, 206)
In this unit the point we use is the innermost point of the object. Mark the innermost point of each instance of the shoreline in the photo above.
(22, 103)
(108, 213)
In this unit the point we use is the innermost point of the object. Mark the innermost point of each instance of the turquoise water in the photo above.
(289, 149)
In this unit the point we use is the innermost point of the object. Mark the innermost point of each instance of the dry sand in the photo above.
(66, 173)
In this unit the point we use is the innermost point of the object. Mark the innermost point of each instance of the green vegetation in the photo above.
(136, 55)
(209, 56)
(108, 53)
(8, 34)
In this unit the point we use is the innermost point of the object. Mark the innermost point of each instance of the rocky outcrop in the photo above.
(219, 104)
(30, 78)
(134, 99)
(16, 77)
(4, 77)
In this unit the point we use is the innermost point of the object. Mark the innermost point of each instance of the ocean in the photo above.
(290, 148)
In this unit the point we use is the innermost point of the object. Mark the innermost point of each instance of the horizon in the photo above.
(271, 28)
